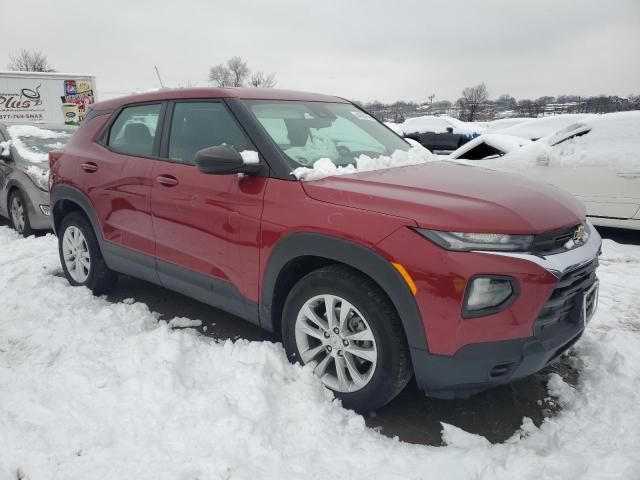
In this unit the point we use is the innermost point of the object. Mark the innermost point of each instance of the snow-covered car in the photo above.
(24, 173)
(597, 159)
(488, 145)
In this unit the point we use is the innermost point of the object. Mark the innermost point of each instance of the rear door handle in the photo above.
(167, 180)
(89, 167)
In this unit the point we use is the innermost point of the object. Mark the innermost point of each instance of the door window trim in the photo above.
(163, 153)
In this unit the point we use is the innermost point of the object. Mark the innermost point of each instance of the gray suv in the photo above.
(24, 173)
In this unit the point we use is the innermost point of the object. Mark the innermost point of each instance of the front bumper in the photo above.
(38, 207)
(480, 366)
(464, 356)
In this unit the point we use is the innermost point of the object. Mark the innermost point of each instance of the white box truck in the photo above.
(39, 97)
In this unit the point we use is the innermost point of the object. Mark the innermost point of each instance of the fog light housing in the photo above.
(488, 294)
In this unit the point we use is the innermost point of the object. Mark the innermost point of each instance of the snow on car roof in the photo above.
(539, 127)
(431, 123)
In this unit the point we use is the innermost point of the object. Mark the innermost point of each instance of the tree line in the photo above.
(474, 104)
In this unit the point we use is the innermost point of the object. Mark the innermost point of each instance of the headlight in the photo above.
(40, 178)
(478, 241)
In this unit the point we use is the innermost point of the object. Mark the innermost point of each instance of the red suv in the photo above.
(459, 276)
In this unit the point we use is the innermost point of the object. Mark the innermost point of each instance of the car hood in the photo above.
(452, 197)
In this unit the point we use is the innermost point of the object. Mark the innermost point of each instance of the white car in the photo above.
(597, 159)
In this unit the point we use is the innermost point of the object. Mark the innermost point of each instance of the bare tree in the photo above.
(29, 61)
(236, 73)
(473, 101)
(260, 80)
(239, 71)
(220, 76)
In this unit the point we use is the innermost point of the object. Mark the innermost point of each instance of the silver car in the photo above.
(24, 173)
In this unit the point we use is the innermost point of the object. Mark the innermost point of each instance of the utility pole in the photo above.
(158, 73)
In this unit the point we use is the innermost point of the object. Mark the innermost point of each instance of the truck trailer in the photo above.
(45, 97)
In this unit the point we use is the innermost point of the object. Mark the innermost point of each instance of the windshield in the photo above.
(309, 131)
(34, 143)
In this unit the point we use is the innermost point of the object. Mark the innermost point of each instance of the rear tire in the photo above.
(80, 255)
(19, 214)
(367, 343)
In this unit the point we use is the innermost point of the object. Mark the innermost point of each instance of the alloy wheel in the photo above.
(334, 337)
(75, 252)
(17, 214)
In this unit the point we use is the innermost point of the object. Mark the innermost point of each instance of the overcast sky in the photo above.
(364, 50)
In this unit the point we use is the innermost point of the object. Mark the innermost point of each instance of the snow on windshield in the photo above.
(325, 167)
(34, 143)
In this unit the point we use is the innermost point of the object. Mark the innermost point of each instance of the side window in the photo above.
(198, 125)
(134, 131)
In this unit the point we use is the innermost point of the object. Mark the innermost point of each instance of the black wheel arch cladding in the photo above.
(351, 254)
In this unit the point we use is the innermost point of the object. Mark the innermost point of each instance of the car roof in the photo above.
(197, 93)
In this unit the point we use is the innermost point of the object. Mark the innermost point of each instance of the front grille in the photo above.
(565, 304)
(553, 242)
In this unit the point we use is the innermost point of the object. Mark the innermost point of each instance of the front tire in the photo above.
(80, 255)
(343, 324)
(19, 214)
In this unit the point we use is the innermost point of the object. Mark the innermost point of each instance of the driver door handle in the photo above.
(89, 167)
(167, 180)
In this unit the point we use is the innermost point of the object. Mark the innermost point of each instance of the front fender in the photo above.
(366, 260)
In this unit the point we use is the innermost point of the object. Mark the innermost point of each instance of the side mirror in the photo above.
(5, 151)
(223, 160)
(542, 160)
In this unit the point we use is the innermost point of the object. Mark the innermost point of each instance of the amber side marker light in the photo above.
(407, 277)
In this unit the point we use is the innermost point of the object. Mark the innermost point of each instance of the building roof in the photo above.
(196, 93)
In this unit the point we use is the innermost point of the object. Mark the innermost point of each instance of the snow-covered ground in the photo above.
(96, 390)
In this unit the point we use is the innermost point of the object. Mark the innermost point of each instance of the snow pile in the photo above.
(325, 167)
(613, 141)
(91, 389)
(19, 133)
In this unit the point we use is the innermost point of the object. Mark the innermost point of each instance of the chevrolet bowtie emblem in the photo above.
(580, 235)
